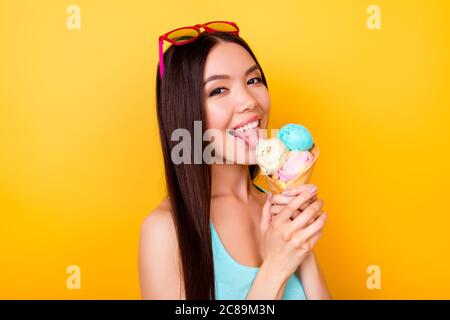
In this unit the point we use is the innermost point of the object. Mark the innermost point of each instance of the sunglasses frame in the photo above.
(197, 28)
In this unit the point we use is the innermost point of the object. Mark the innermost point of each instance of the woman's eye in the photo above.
(218, 90)
(215, 91)
(259, 79)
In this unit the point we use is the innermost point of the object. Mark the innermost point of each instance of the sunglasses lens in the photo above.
(182, 35)
(222, 26)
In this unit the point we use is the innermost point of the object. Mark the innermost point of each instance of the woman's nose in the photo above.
(246, 101)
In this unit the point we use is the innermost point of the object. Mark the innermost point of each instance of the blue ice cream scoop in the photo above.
(296, 137)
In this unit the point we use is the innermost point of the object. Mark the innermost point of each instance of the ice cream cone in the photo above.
(278, 186)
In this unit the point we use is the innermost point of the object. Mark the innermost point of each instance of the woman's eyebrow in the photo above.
(224, 76)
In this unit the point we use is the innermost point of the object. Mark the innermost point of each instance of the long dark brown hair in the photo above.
(180, 102)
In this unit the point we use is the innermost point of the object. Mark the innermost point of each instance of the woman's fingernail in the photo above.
(286, 193)
(312, 189)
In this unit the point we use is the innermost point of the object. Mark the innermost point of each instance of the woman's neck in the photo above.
(231, 180)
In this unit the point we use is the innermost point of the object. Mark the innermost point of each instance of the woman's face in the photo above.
(235, 98)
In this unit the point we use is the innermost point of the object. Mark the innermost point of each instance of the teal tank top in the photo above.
(234, 280)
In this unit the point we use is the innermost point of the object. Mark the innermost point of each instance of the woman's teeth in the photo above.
(248, 126)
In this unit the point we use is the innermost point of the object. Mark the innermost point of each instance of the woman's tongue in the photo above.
(250, 137)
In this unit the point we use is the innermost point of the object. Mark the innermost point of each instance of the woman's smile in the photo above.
(248, 133)
(248, 130)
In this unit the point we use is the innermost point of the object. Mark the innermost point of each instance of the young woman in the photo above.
(217, 235)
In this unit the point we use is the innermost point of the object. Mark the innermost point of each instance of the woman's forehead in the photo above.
(227, 58)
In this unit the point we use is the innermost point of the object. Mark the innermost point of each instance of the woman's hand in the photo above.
(279, 201)
(291, 233)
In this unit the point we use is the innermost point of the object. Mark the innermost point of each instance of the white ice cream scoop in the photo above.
(270, 155)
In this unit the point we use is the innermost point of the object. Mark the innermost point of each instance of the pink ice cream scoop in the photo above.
(295, 164)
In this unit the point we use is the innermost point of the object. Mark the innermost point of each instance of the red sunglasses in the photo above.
(185, 35)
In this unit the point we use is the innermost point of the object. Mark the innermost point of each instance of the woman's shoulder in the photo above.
(158, 229)
(159, 263)
(159, 217)
(163, 207)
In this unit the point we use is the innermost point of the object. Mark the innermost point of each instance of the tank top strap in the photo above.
(259, 188)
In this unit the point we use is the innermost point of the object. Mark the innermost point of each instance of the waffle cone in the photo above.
(278, 186)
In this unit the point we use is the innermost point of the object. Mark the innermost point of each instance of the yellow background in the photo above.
(80, 162)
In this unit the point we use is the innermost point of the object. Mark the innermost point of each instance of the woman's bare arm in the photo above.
(159, 263)
(312, 279)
